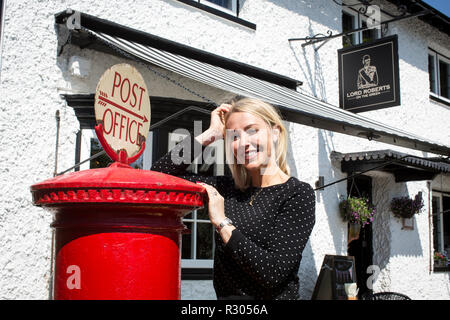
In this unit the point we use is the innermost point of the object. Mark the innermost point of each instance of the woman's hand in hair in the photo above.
(217, 124)
(216, 127)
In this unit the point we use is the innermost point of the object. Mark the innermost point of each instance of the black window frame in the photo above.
(220, 13)
(358, 20)
(436, 94)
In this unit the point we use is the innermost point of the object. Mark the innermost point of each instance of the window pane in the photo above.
(205, 232)
(203, 213)
(432, 73)
(223, 3)
(436, 203)
(446, 222)
(101, 161)
(186, 243)
(368, 35)
(348, 23)
(139, 163)
(444, 80)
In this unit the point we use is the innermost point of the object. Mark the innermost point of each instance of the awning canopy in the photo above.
(405, 167)
(234, 77)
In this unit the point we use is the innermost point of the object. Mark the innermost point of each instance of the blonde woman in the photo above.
(263, 216)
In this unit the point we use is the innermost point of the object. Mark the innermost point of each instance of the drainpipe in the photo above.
(55, 172)
(57, 142)
(430, 221)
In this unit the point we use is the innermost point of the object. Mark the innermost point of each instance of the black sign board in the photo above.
(336, 271)
(368, 75)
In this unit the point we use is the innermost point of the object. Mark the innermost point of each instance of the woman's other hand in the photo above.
(216, 208)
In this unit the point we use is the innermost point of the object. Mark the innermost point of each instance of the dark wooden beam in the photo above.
(404, 175)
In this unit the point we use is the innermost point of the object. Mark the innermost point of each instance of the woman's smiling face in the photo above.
(250, 138)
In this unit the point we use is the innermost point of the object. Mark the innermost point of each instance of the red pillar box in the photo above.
(117, 232)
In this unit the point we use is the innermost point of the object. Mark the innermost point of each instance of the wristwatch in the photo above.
(225, 222)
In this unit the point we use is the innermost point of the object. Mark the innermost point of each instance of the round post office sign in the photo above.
(122, 107)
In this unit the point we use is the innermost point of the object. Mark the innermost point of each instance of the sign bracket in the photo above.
(321, 37)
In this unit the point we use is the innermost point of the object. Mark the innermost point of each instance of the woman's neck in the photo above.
(269, 177)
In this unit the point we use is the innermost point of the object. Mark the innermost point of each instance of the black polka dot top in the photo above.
(262, 257)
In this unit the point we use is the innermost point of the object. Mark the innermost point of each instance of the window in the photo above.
(226, 9)
(432, 72)
(198, 245)
(348, 23)
(353, 19)
(441, 221)
(90, 146)
(102, 161)
(439, 75)
(229, 6)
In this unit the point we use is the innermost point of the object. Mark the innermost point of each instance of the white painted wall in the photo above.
(32, 77)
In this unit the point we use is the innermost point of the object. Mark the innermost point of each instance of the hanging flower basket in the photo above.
(405, 207)
(441, 259)
(357, 212)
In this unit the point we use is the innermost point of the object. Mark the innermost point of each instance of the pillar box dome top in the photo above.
(118, 183)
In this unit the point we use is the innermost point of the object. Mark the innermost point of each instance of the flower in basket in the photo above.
(357, 210)
(441, 258)
(405, 207)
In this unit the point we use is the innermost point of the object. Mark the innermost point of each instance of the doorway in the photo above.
(361, 248)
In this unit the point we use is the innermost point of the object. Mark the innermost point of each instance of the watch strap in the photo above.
(225, 222)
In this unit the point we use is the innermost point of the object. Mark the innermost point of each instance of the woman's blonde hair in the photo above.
(272, 118)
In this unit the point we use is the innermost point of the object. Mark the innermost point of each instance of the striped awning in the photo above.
(295, 106)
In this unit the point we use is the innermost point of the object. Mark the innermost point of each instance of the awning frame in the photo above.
(404, 167)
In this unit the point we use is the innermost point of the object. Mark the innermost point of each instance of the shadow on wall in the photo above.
(405, 242)
(322, 12)
(314, 17)
(329, 198)
(312, 75)
(381, 240)
(330, 195)
(307, 271)
(320, 15)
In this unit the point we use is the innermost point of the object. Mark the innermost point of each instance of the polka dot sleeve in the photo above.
(271, 265)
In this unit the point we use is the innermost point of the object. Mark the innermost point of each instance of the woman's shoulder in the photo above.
(299, 184)
(301, 197)
(298, 189)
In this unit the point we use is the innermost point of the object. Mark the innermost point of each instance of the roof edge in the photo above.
(435, 18)
(105, 26)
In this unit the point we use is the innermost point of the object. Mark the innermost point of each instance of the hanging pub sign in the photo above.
(122, 111)
(368, 75)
